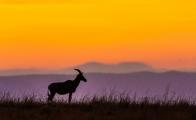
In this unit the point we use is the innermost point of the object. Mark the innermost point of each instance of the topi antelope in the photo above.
(67, 87)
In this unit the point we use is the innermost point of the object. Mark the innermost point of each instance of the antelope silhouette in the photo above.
(67, 87)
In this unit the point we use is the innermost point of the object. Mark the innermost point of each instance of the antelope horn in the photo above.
(78, 71)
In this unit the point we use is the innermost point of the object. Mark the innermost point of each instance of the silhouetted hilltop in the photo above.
(124, 67)
(94, 67)
(91, 67)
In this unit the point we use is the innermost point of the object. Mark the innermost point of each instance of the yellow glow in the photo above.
(55, 34)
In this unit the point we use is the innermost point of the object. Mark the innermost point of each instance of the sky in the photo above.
(54, 34)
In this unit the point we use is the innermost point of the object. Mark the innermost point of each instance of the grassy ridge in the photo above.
(96, 108)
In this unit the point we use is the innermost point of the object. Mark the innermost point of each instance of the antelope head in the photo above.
(80, 75)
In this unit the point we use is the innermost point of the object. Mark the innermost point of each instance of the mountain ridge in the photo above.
(94, 67)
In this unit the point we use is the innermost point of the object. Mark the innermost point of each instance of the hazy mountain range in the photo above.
(91, 67)
(124, 67)
(173, 83)
(132, 77)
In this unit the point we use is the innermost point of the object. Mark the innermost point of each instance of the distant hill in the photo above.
(91, 67)
(124, 67)
(24, 72)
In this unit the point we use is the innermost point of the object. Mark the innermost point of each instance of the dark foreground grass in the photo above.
(97, 108)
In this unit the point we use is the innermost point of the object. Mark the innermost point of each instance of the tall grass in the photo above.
(111, 98)
(105, 107)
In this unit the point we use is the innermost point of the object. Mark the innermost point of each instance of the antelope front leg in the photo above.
(70, 97)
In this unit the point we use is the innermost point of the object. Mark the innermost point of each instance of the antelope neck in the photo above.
(76, 81)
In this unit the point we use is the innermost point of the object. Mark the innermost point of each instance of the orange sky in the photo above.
(55, 34)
